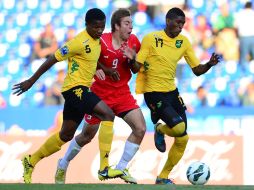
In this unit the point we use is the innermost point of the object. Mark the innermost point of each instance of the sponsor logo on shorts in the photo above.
(78, 92)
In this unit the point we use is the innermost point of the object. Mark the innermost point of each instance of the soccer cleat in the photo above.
(127, 177)
(28, 169)
(159, 139)
(60, 174)
(109, 173)
(162, 181)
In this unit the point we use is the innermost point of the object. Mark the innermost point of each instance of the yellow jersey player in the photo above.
(156, 62)
(116, 94)
(82, 53)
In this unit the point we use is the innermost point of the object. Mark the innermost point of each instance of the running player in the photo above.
(156, 62)
(114, 90)
(82, 53)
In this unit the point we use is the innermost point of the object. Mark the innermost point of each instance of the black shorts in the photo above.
(168, 106)
(78, 101)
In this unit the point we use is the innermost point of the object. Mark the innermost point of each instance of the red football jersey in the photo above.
(115, 59)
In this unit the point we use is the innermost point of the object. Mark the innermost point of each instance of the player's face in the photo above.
(125, 28)
(95, 28)
(175, 26)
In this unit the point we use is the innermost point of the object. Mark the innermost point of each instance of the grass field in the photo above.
(117, 187)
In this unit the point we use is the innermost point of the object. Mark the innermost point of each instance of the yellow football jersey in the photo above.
(159, 55)
(82, 53)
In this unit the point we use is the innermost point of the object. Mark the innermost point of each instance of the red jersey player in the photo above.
(114, 90)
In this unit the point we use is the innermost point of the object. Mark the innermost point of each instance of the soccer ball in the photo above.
(198, 173)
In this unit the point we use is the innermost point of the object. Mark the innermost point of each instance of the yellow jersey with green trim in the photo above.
(82, 53)
(159, 55)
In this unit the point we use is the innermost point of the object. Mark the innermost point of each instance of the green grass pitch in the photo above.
(22, 186)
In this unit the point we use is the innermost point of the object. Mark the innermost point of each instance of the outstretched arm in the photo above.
(201, 69)
(27, 84)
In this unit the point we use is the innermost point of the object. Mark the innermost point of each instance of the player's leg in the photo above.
(72, 116)
(106, 115)
(87, 134)
(105, 138)
(178, 131)
(171, 110)
(136, 121)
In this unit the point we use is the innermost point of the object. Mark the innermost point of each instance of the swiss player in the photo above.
(114, 90)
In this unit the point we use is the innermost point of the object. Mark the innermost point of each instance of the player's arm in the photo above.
(112, 73)
(68, 50)
(137, 60)
(131, 54)
(27, 84)
(203, 68)
(135, 66)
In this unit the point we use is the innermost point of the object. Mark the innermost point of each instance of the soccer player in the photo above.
(82, 53)
(115, 92)
(156, 62)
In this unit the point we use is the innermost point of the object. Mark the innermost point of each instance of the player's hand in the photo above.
(114, 75)
(22, 87)
(100, 74)
(129, 52)
(214, 60)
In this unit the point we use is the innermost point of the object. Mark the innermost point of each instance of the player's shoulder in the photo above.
(133, 38)
(157, 33)
(106, 38)
(82, 37)
(183, 37)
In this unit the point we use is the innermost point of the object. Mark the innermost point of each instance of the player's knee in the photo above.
(140, 131)
(66, 137)
(179, 129)
(109, 116)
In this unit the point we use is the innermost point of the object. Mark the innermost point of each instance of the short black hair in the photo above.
(94, 14)
(174, 12)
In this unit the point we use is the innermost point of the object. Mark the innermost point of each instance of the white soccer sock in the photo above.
(130, 150)
(72, 151)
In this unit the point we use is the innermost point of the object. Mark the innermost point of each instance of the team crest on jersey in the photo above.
(64, 50)
(179, 43)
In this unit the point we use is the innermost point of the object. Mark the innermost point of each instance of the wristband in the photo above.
(132, 61)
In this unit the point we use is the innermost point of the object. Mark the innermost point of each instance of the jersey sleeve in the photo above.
(144, 49)
(69, 49)
(190, 55)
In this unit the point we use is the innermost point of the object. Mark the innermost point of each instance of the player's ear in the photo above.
(168, 21)
(117, 26)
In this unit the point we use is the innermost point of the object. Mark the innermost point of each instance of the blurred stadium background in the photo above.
(220, 103)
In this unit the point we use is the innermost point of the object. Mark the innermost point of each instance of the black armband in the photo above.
(132, 61)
